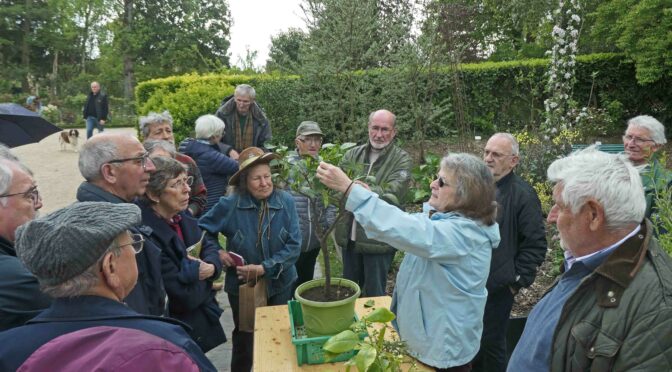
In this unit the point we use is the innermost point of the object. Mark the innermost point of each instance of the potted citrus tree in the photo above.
(327, 303)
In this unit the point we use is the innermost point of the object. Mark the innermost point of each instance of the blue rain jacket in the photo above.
(440, 292)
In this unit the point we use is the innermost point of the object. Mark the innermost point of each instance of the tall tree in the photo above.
(641, 29)
(284, 54)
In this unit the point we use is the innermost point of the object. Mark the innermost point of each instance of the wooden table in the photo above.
(273, 348)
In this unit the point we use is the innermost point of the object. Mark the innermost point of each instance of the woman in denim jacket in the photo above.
(440, 292)
(261, 225)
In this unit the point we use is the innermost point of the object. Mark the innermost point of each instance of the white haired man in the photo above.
(611, 309)
(246, 123)
(642, 139)
(20, 296)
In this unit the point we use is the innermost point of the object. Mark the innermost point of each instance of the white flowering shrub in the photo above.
(561, 77)
(51, 113)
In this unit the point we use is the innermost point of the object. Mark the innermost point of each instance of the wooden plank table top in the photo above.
(273, 348)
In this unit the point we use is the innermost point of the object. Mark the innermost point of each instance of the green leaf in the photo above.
(365, 357)
(328, 356)
(420, 195)
(391, 198)
(348, 145)
(342, 342)
(380, 315)
(370, 180)
(369, 303)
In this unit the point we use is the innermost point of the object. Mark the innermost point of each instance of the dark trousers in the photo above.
(243, 342)
(305, 266)
(367, 270)
(492, 355)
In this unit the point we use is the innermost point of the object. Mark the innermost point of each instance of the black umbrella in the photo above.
(20, 126)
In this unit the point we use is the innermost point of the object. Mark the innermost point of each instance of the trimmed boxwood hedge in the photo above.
(498, 96)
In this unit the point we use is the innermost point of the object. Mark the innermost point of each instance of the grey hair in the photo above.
(475, 189)
(92, 157)
(151, 145)
(610, 179)
(656, 129)
(244, 90)
(166, 170)
(208, 126)
(7, 174)
(394, 117)
(154, 118)
(82, 283)
(6, 153)
(515, 147)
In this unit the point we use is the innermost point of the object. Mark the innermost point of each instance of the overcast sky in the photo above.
(255, 21)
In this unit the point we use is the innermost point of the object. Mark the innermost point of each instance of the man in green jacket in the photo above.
(611, 309)
(367, 261)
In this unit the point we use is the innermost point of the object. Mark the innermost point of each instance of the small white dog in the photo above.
(69, 137)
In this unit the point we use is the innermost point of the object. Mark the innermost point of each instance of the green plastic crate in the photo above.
(309, 350)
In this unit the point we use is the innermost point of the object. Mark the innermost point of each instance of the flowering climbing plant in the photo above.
(561, 72)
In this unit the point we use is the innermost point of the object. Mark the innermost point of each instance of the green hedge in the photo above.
(498, 96)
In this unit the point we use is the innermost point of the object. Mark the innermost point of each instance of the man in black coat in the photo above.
(20, 295)
(522, 248)
(95, 110)
(116, 168)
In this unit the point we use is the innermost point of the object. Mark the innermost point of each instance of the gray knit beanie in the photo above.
(63, 244)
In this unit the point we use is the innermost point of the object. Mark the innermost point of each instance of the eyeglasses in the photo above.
(32, 193)
(495, 155)
(442, 182)
(311, 140)
(638, 140)
(184, 181)
(137, 244)
(142, 159)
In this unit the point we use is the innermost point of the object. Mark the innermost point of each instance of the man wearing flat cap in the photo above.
(84, 257)
(308, 143)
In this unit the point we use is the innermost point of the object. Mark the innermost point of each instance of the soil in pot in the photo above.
(318, 294)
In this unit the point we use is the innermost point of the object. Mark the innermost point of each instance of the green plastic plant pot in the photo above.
(327, 318)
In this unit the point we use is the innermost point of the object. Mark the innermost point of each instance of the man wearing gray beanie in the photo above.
(84, 256)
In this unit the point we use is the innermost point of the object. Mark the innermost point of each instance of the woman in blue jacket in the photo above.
(215, 166)
(440, 292)
(188, 280)
(261, 225)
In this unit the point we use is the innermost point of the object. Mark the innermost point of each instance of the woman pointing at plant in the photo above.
(440, 292)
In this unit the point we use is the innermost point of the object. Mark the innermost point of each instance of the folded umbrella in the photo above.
(20, 126)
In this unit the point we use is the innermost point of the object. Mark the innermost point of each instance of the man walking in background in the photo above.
(95, 110)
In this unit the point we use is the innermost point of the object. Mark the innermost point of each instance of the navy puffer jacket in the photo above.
(215, 167)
